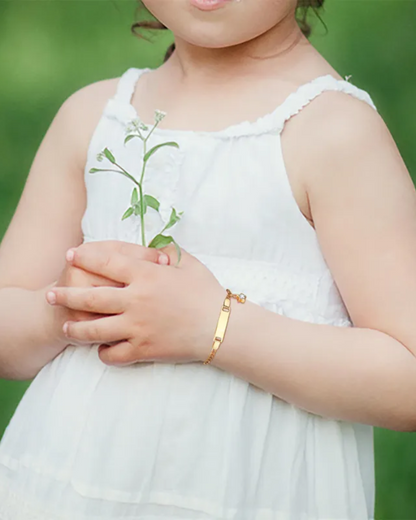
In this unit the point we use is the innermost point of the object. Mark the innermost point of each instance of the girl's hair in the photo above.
(302, 10)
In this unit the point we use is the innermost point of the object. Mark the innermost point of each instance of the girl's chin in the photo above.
(210, 5)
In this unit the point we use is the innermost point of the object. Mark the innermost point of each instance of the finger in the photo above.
(108, 263)
(138, 251)
(172, 254)
(150, 254)
(78, 277)
(95, 280)
(101, 330)
(102, 300)
(84, 315)
(121, 354)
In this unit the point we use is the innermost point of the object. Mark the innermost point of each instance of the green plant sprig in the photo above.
(140, 202)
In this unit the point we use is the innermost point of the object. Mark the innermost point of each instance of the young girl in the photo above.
(293, 193)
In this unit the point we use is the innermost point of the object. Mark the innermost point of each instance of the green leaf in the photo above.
(144, 205)
(174, 217)
(129, 138)
(178, 252)
(109, 155)
(152, 202)
(155, 148)
(160, 241)
(137, 208)
(134, 197)
(127, 213)
(95, 170)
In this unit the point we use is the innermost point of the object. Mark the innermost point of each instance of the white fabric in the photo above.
(190, 441)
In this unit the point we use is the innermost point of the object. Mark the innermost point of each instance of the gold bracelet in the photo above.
(223, 322)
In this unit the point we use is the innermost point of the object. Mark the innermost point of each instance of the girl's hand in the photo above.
(73, 276)
(162, 314)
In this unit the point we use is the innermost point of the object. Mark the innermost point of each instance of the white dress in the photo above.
(188, 441)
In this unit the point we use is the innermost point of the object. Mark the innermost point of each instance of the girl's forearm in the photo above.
(27, 336)
(344, 373)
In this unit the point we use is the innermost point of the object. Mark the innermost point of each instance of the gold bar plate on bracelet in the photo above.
(222, 323)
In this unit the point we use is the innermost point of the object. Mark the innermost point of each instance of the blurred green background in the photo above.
(49, 49)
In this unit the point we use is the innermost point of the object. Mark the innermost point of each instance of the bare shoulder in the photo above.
(336, 124)
(93, 96)
(347, 135)
(80, 113)
(337, 133)
(343, 113)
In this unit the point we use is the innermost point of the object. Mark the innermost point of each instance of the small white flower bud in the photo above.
(159, 115)
(135, 125)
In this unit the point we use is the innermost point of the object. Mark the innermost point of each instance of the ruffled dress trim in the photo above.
(121, 108)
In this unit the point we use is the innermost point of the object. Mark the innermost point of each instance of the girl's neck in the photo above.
(193, 65)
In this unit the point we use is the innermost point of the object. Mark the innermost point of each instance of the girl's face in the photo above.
(233, 23)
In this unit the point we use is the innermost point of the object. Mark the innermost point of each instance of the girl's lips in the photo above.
(209, 5)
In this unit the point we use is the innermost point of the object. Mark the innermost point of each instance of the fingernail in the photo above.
(163, 259)
(65, 327)
(70, 255)
(51, 297)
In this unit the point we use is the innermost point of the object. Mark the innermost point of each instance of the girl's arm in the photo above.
(28, 335)
(363, 204)
(45, 224)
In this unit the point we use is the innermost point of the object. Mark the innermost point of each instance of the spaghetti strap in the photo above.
(307, 92)
(119, 106)
(126, 84)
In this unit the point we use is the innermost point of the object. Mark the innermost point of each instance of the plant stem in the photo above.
(141, 181)
(141, 196)
(150, 133)
(139, 184)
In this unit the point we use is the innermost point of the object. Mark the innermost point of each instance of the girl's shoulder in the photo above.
(325, 93)
(91, 99)
(337, 127)
(334, 111)
(82, 110)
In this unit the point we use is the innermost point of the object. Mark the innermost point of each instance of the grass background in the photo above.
(50, 48)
